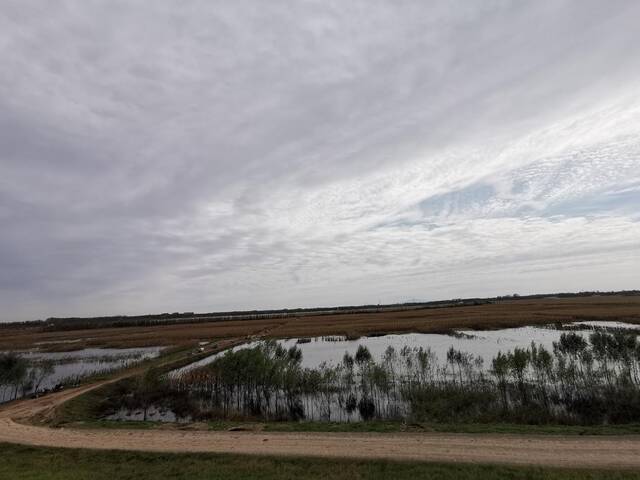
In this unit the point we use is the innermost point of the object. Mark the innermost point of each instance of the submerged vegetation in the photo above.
(19, 376)
(581, 381)
(35, 373)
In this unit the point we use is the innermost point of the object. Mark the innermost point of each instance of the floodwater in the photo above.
(70, 367)
(80, 363)
(607, 325)
(330, 350)
(482, 343)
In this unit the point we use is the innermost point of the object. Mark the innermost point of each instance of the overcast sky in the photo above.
(210, 155)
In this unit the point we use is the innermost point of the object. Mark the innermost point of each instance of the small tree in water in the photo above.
(518, 362)
(363, 355)
(367, 408)
(501, 371)
(148, 389)
(13, 372)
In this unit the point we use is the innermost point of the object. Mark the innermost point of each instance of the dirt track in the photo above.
(588, 452)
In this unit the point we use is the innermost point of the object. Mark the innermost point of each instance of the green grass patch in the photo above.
(376, 427)
(36, 463)
(86, 407)
(390, 427)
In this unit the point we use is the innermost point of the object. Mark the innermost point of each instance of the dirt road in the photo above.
(588, 452)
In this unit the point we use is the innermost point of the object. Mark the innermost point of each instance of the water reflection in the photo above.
(482, 343)
(69, 368)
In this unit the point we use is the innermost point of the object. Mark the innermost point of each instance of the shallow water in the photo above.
(482, 343)
(605, 324)
(91, 360)
(76, 364)
(89, 354)
(154, 414)
(485, 344)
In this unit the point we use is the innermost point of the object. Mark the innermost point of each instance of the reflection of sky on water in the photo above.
(486, 343)
(87, 361)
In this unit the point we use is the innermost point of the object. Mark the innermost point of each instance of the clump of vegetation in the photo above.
(19, 376)
(582, 381)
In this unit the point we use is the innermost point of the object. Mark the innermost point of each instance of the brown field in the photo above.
(498, 315)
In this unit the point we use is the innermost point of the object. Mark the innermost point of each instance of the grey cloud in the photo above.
(204, 155)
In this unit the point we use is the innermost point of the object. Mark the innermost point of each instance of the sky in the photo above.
(212, 155)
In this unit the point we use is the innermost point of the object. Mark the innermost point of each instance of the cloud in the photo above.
(214, 155)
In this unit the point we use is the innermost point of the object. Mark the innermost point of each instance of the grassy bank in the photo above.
(394, 427)
(30, 463)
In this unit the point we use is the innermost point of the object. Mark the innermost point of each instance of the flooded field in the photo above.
(49, 370)
(485, 344)
(399, 376)
(69, 365)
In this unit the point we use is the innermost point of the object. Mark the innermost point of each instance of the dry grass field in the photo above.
(491, 316)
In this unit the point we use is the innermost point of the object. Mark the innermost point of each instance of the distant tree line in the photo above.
(77, 323)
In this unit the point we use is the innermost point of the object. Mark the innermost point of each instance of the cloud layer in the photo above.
(163, 156)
